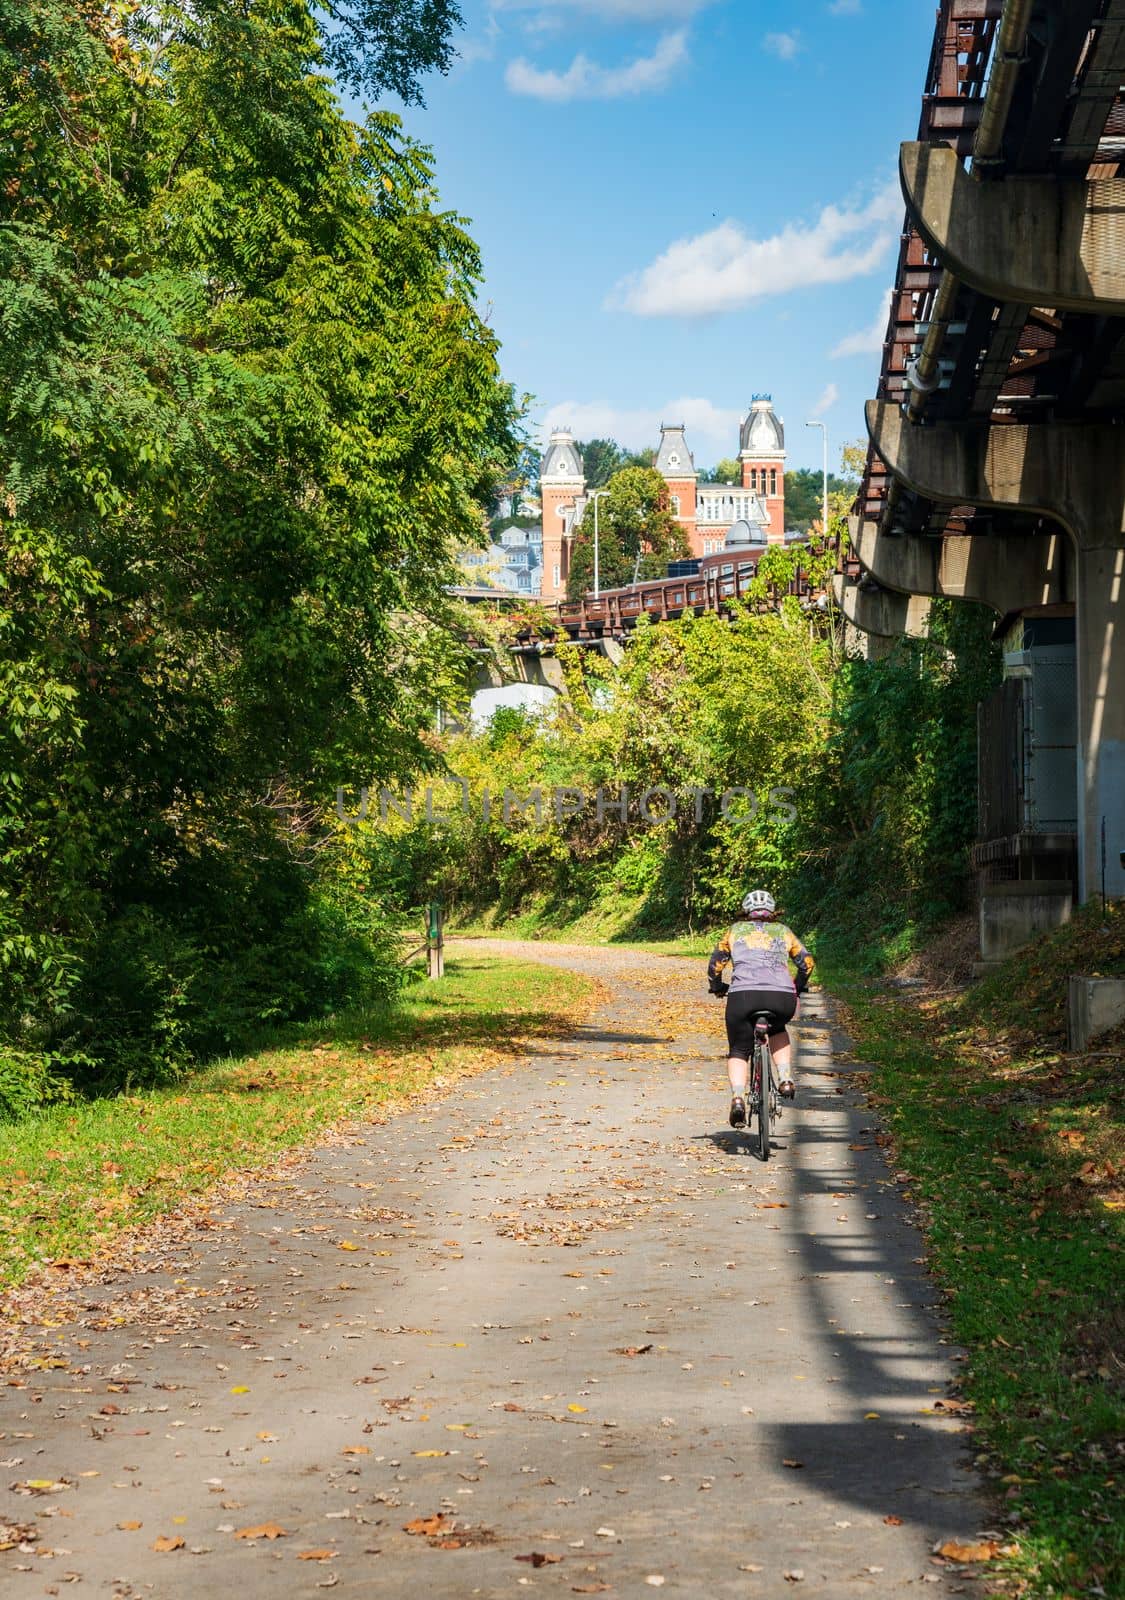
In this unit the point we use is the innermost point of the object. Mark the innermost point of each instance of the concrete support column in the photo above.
(1101, 717)
(1073, 473)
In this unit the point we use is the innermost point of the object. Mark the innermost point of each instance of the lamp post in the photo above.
(823, 426)
(595, 497)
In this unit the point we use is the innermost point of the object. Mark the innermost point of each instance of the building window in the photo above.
(753, 477)
(773, 480)
(675, 504)
(558, 576)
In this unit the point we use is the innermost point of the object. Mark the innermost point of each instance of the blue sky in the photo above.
(681, 203)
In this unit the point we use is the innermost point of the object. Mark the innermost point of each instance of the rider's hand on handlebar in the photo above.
(718, 987)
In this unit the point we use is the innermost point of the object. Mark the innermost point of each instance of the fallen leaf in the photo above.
(240, 1388)
(316, 1555)
(346, 1244)
(262, 1530)
(893, 1521)
(129, 1527)
(578, 1409)
(750, 1566)
(356, 1450)
(417, 1452)
(537, 1558)
(794, 1575)
(789, 1462)
(983, 1550)
(427, 1526)
(633, 1350)
(655, 1579)
(165, 1542)
(590, 1588)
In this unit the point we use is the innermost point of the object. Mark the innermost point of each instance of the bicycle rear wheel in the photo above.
(762, 1072)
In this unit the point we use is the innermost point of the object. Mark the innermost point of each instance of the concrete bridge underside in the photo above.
(997, 465)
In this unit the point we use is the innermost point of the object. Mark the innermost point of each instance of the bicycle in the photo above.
(764, 1098)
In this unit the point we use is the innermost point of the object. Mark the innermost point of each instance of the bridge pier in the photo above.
(882, 613)
(1004, 572)
(1074, 474)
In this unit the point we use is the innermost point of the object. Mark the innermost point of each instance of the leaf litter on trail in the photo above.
(977, 1550)
(263, 1530)
(165, 1542)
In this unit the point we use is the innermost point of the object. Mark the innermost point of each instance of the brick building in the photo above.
(706, 511)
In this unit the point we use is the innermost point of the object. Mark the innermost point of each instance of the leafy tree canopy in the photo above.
(380, 46)
(637, 533)
(248, 410)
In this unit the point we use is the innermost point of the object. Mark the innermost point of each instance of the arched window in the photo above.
(773, 480)
(675, 504)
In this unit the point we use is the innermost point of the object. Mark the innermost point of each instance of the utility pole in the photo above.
(823, 426)
(595, 497)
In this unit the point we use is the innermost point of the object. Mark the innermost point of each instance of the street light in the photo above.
(595, 497)
(823, 426)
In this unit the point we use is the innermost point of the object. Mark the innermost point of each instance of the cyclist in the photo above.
(758, 951)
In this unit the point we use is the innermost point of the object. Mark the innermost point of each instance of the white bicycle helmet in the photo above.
(759, 903)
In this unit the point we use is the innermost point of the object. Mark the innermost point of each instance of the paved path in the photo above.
(563, 1323)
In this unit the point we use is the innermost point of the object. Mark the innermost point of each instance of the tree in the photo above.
(634, 521)
(380, 45)
(248, 411)
(728, 470)
(601, 458)
(804, 489)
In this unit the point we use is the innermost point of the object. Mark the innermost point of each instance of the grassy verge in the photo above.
(1015, 1151)
(73, 1177)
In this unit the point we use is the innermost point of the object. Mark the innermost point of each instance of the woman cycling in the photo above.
(759, 951)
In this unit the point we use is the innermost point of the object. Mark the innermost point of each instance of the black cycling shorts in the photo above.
(741, 1007)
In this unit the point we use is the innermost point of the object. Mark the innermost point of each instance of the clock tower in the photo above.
(762, 454)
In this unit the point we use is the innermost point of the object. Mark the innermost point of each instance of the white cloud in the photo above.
(828, 398)
(868, 341)
(724, 269)
(712, 431)
(586, 80)
(846, 8)
(783, 45)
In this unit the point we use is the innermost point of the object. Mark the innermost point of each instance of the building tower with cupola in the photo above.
(707, 512)
(761, 451)
(562, 491)
(675, 462)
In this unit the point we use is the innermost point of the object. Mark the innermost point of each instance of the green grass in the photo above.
(1016, 1153)
(73, 1177)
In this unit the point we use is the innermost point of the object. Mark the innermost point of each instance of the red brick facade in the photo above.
(705, 511)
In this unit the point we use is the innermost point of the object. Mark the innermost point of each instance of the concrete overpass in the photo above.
(997, 464)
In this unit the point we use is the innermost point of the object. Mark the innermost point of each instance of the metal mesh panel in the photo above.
(1052, 797)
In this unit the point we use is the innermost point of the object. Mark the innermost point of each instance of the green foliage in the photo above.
(876, 758)
(902, 812)
(248, 412)
(804, 491)
(379, 45)
(601, 458)
(1013, 1150)
(637, 533)
(727, 470)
